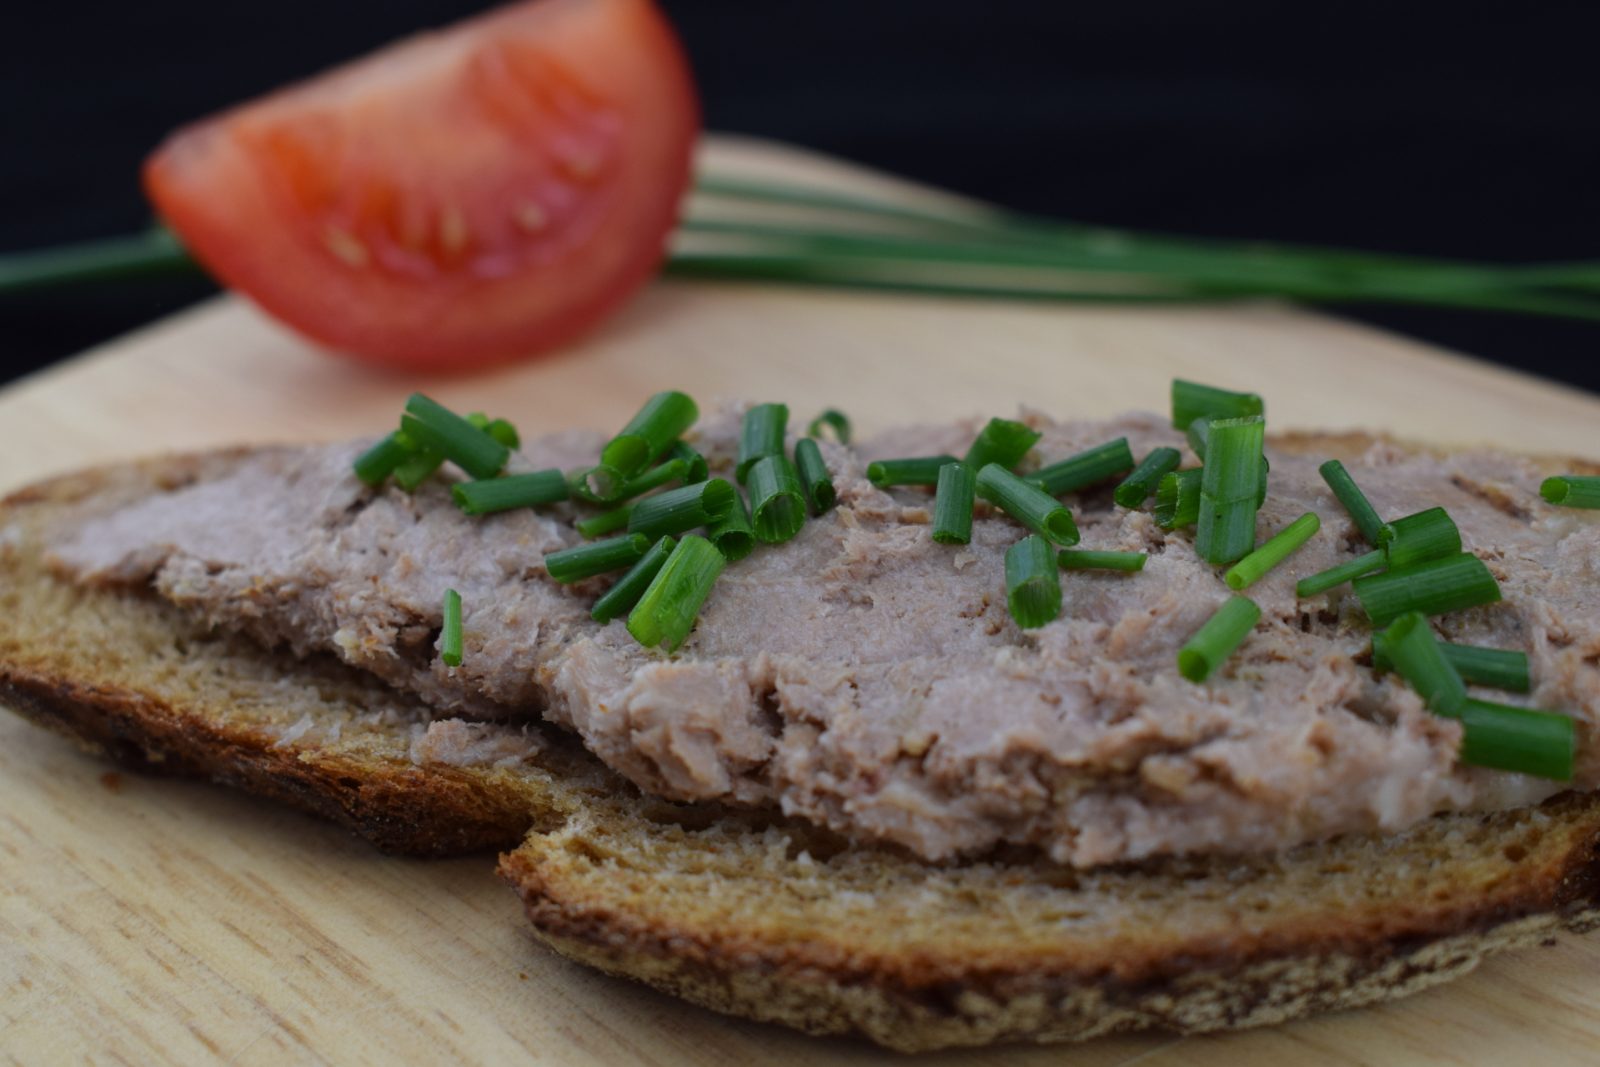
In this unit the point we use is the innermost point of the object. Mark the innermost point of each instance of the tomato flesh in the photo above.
(459, 198)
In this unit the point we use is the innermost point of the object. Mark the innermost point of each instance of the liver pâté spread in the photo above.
(872, 681)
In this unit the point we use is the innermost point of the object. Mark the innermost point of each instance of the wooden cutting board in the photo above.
(147, 921)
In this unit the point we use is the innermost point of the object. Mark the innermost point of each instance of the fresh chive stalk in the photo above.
(814, 476)
(695, 468)
(1089, 467)
(379, 461)
(1414, 539)
(1146, 476)
(1323, 581)
(1254, 567)
(1001, 441)
(684, 508)
(607, 522)
(913, 470)
(1348, 493)
(510, 491)
(667, 609)
(777, 501)
(660, 422)
(450, 633)
(1191, 400)
(1214, 642)
(599, 484)
(596, 557)
(625, 593)
(1071, 559)
(416, 468)
(1542, 743)
(1178, 499)
(1033, 581)
(1433, 588)
(1572, 490)
(831, 420)
(1497, 668)
(1028, 504)
(671, 470)
(761, 435)
(732, 534)
(499, 429)
(1417, 657)
(438, 429)
(952, 504)
(1230, 489)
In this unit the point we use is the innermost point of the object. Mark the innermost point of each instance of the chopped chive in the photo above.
(667, 610)
(416, 468)
(694, 464)
(1323, 581)
(1523, 740)
(1497, 668)
(952, 504)
(1142, 482)
(1254, 567)
(1073, 560)
(832, 419)
(1196, 435)
(1432, 588)
(684, 508)
(1033, 581)
(450, 634)
(814, 476)
(659, 423)
(438, 429)
(600, 484)
(1224, 531)
(914, 470)
(732, 534)
(510, 491)
(597, 557)
(654, 478)
(1430, 534)
(1191, 400)
(761, 435)
(379, 461)
(1028, 504)
(1214, 642)
(626, 591)
(777, 503)
(499, 429)
(1362, 513)
(1089, 467)
(1417, 657)
(1001, 441)
(1572, 490)
(604, 523)
(1230, 489)
(1178, 499)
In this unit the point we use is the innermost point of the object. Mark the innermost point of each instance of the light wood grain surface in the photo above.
(148, 921)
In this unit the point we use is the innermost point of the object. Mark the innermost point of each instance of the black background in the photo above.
(1402, 127)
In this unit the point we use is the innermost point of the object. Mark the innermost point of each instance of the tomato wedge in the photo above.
(458, 198)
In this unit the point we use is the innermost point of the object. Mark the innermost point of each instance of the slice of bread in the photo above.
(747, 913)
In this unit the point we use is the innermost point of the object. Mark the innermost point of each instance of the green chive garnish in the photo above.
(1178, 499)
(1087, 468)
(379, 461)
(1362, 513)
(625, 593)
(1323, 581)
(1033, 581)
(1230, 489)
(684, 508)
(1572, 491)
(694, 464)
(1254, 567)
(1196, 434)
(777, 504)
(1028, 504)
(1214, 642)
(659, 423)
(1191, 400)
(1417, 657)
(831, 419)
(814, 476)
(761, 435)
(914, 470)
(597, 557)
(604, 523)
(511, 491)
(1001, 441)
(600, 484)
(1432, 588)
(1507, 738)
(438, 429)
(1430, 534)
(416, 468)
(1142, 482)
(1071, 559)
(1497, 668)
(654, 478)
(450, 635)
(499, 429)
(952, 504)
(732, 534)
(667, 610)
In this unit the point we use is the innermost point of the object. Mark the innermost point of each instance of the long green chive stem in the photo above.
(1432, 588)
(732, 534)
(416, 468)
(1001, 441)
(1191, 400)
(777, 501)
(1254, 567)
(1087, 468)
(1146, 476)
(694, 464)
(1033, 582)
(1542, 743)
(1072, 559)
(379, 461)
(834, 420)
(684, 508)
(1230, 489)
(1417, 657)
(1214, 642)
(510, 491)
(1196, 435)
(1362, 513)
(1323, 581)
(659, 423)
(1497, 668)
(450, 633)
(606, 522)
(1430, 534)
(914, 470)
(760, 436)
(670, 471)
(1028, 504)
(499, 429)
(597, 557)
(952, 504)
(438, 429)
(1178, 499)
(1572, 491)
(667, 610)
(600, 484)
(814, 476)
(625, 593)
